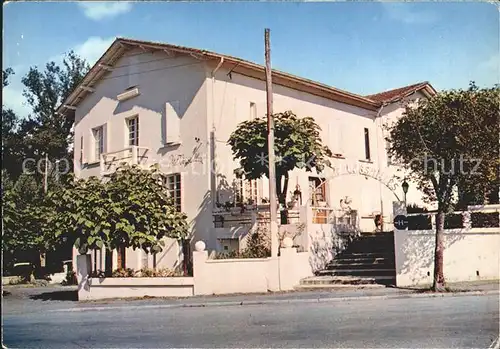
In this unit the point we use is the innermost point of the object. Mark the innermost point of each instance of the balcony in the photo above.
(133, 155)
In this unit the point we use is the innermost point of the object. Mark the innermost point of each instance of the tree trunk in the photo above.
(281, 192)
(438, 253)
(108, 266)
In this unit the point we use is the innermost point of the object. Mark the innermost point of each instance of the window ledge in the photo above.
(128, 94)
(92, 163)
(170, 144)
(338, 156)
(366, 161)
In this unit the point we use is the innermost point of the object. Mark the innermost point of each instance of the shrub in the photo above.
(162, 272)
(414, 208)
(484, 220)
(453, 221)
(70, 278)
(97, 274)
(227, 255)
(419, 222)
(123, 273)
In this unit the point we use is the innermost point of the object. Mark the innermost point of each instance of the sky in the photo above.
(361, 47)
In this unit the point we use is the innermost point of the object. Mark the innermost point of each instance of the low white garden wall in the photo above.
(469, 254)
(210, 277)
(247, 275)
(128, 287)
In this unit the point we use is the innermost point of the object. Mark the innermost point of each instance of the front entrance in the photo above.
(317, 197)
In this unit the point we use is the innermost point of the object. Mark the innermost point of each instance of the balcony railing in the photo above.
(133, 155)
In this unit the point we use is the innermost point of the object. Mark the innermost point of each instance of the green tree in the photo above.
(45, 91)
(131, 208)
(448, 140)
(23, 220)
(10, 138)
(297, 145)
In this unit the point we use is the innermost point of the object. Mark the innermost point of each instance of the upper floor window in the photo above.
(98, 142)
(81, 150)
(253, 111)
(133, 131)
(387, 148)
(367, 145)
(173, 182)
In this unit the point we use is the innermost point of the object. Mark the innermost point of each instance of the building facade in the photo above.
(149, 103)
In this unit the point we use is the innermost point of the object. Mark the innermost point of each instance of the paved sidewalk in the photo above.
(27, 300)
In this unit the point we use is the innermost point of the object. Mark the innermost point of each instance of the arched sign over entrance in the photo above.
(389, 181)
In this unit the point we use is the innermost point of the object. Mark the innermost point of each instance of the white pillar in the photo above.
(83, 267)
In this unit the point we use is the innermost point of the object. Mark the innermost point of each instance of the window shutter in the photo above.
(172, 122)
(335, 134)
(104, 138)
(81, 154)
(89, 150)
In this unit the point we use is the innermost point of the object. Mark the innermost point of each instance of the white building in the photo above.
(157, 103)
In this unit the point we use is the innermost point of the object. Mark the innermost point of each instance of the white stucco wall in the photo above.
(342, 130)
(160, 79)
(210, 108)
(470, 254)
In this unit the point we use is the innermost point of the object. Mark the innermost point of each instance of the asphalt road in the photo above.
(444, 322)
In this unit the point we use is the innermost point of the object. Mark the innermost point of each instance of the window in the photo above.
(81, 150)
(251, 191)
(367, 144)
(174, 189)
(317, 190)
(246, 192)
(133, 131)
(387, 147)
(98, 142)
(253, 111)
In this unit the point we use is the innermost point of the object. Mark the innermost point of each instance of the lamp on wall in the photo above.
(405, 187)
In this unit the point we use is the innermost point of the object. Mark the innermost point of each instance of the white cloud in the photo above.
(91, 49)
(12, 98)
(102, 10)
(406, 12)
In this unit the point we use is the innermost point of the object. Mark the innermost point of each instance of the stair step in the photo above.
(358, 266)
(359, 272)
(349, 280)
(370, 249)
(365, 255)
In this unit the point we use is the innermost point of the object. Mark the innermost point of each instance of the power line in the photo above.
(151, 70)
(131, 64)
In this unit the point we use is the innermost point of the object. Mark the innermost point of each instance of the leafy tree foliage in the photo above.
(33, 136)
(447, 141)
(132, 208)
(23, 220)
(43, 131)
(297, 145)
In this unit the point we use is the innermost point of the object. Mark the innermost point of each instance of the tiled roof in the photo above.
(398, 93)
(121, 45)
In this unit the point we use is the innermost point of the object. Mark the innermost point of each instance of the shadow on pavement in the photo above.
(57, 296)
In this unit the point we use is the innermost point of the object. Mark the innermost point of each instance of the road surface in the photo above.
(442, 322)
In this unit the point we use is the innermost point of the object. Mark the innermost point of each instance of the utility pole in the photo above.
(270, 141)
(46, 176)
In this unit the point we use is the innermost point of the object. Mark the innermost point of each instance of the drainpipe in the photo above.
(379, 166)
(213, 183)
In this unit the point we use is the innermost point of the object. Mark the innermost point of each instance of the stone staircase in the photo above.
(368, 260)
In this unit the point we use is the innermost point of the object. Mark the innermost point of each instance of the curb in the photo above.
(281, 301)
